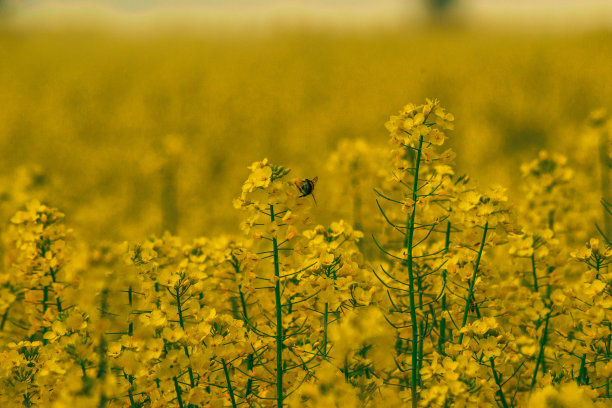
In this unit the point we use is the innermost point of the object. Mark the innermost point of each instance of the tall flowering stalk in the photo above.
(275, 214)
(419, 172)
(37, 260)
(183, 346)
(436, 268)
(315, 276)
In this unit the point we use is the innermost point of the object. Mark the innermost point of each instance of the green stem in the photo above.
(45, 298)
(229, 383)
(178, 391)
(243, 304)
(44, 305)
(442, 338)
(102, 363)
(497, 378)
(346, 370)
(4, 318)
(250, 365)
(130, 333)
(408, 242)
(535, 276)
(279, 321)
(540, 359)
(420, 291)
(466, 310)
(102, 402)
(325, 318)
(608, 355)
(102, 368)
(582, 373)
(130, 390)
(179, 309)
(420, 353)
(130, 300)
(57, 298)
(250, 357)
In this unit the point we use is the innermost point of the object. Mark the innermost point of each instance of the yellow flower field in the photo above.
(293, 220)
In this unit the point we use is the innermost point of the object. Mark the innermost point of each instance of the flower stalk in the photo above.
(470, 295)
(408, 246)
(279, 319)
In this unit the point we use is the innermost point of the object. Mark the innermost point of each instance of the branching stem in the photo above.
(408, 241)
(229, 384)
(279, 321)
(466, 310)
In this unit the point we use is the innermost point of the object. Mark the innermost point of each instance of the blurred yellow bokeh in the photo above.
(114, 118)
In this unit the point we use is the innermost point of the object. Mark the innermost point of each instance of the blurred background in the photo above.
(142, 115)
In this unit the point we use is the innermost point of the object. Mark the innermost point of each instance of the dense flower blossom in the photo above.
(439, 293)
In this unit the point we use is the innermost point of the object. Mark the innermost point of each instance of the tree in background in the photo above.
(4, 9)
(440, 11)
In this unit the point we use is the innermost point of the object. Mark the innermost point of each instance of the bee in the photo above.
(472, 305)
(306, 187)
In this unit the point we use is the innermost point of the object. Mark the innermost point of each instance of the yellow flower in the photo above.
(157, 318)
(76, 322)
(569, 395)
(260, 177)
(114, 349)
(436, 137)
(490, 347)
(173, 335)
(58, 329)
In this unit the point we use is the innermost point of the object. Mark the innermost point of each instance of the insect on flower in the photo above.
(306, 187)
